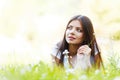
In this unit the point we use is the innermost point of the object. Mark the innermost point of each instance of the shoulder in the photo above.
(55, 50)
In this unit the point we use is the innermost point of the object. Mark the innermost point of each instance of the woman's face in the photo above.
(74, 33)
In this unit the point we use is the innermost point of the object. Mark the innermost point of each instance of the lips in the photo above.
(71, 37)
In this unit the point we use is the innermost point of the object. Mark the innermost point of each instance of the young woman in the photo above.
(80, 42)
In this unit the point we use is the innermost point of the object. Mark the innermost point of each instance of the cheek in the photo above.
(80, 36)
(66, 33)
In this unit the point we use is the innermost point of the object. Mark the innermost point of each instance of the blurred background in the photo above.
(29, 28)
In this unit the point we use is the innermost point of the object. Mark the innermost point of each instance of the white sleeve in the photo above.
(55, 52)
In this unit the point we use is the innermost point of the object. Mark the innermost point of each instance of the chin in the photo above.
(72, 43)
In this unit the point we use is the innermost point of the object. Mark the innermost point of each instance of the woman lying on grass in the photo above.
(78, 49)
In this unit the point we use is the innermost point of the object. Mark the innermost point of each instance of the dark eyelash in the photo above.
(69, 27)
(81, 30)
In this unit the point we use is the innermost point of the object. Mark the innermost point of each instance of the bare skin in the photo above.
(74, 37)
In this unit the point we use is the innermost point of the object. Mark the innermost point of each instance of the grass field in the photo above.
(42, 71)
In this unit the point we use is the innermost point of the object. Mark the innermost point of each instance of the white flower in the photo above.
(97, 71)
(69, 70)
(83, 77)
(43, 75)
(4, 78)
(25, 69)
(117, 78)
(118, 64)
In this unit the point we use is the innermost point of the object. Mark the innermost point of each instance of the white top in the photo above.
(56, 47)
(83, 63)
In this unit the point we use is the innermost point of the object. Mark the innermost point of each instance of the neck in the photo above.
(73, 49)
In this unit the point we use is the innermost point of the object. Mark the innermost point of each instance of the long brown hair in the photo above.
(89, 39)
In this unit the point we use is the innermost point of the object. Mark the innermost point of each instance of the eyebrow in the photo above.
(76, 27)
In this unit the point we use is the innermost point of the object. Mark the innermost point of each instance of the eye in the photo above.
(70, 27)
(79, 30)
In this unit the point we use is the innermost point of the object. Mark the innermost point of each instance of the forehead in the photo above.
(75, 23)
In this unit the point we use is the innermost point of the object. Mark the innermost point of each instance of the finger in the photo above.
(83, 46)
(84, 49)
(81, 51)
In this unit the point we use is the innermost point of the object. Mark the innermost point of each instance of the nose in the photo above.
(72, 31)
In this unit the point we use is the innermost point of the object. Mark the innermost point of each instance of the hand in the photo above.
(84, 50)
(83, 57)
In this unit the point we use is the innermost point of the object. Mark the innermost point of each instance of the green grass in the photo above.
(116, 35)
(42, 71)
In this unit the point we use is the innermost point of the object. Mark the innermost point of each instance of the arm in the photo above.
(83, 57)
(55, 55)
(55, 60)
